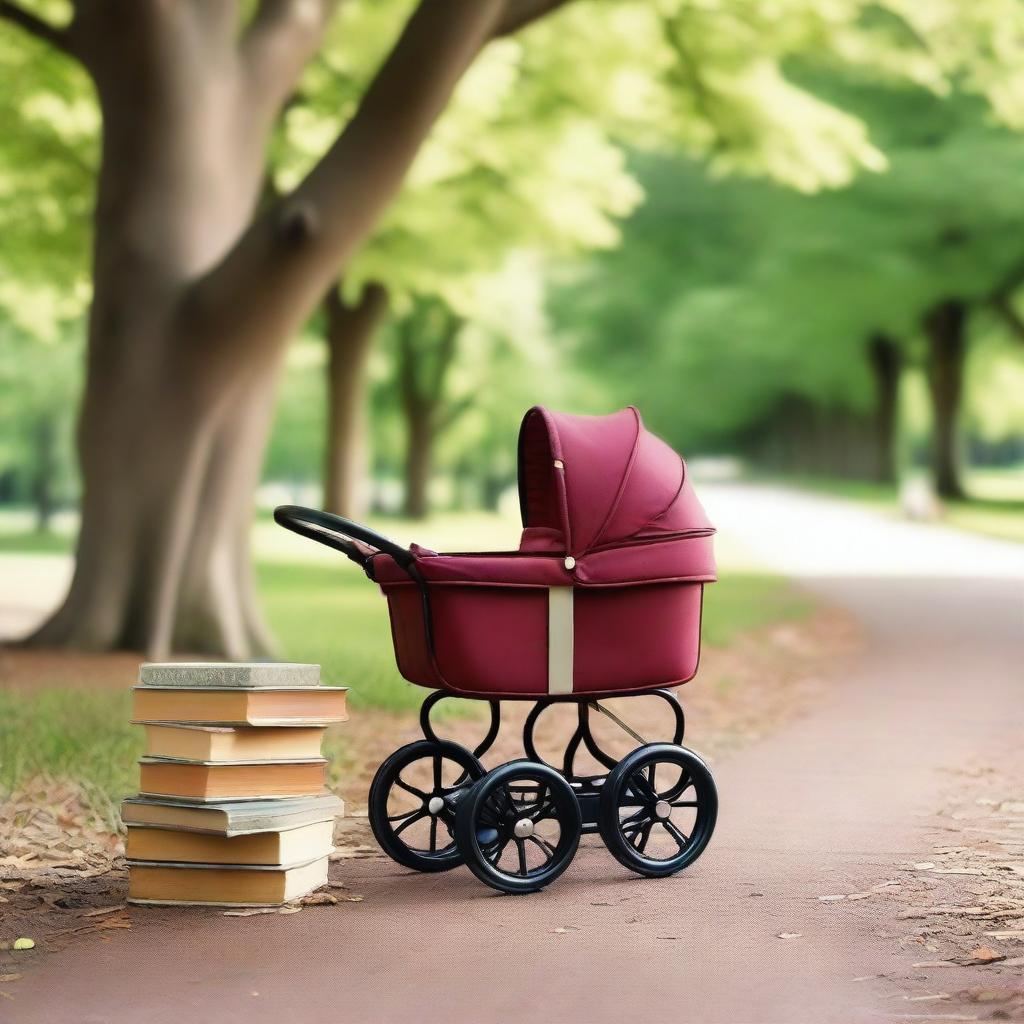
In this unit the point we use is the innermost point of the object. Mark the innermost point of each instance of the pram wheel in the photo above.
(658, 809)
(412, 803)
(518, 827)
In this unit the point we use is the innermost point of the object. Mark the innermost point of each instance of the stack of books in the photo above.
(232, 809)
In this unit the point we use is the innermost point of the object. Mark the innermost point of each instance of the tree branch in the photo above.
(1001, 300)
(520, 13)
(1003, 305)
(59, 38)
(282, 265)
(279, 40)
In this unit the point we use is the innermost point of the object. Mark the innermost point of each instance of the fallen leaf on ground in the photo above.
(935, 963)
(9, 977)
(100, 911)
(981, 955)
(835, 898)
(924, 865)
(23, 943)
(790, 935)
(289, 910)
(250, 911)
(564, 929)
(859, 896)
(113, 922)
(319, 899)
(336, 885)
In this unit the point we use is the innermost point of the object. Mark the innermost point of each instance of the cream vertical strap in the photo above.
(560, 640)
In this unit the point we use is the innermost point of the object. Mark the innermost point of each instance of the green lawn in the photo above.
(325, 612)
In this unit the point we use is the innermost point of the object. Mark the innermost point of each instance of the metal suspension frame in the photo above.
(586, 787)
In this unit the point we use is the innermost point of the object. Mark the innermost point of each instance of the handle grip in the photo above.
(340, 533)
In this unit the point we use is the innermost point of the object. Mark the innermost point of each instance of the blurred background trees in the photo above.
(789, 232)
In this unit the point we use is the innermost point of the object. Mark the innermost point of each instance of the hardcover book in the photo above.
(293, 846)
(235, 780)
(227, 743)
(230, 818)
(223, 885)
(220, 675)
(285, 706)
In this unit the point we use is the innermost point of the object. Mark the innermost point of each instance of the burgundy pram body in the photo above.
(602, 598)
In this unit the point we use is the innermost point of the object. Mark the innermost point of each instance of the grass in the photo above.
(64, 734)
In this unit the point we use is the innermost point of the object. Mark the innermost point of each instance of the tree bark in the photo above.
(195, 294)
(946, 329)
(886, 359)
(44, 468)
(350, 333)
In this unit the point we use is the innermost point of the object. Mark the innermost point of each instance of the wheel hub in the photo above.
(435, 805)
(662, 809)
(523, 828)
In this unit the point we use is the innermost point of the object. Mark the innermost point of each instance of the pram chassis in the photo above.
(480, 810)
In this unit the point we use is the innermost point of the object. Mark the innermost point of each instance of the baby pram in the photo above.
(602, 599)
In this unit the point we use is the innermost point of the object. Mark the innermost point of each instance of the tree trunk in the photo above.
(195, 294)
(945, 326)
(44, 470)
(886, 359)
(418, 461)
(350, 333)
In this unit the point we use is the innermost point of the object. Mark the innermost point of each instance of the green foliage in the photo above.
(770, 293)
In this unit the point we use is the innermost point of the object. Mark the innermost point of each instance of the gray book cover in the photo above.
(227, 675)
(240, 817)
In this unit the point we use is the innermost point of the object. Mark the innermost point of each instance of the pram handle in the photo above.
(341, 534)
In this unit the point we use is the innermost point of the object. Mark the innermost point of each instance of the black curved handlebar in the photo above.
(340, 533)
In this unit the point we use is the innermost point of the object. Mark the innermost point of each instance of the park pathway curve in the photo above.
(830, 804)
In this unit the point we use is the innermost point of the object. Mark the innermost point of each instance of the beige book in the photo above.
(218, 886)
(193, 780)
(293, 846)
(314, 705)
(227, 743)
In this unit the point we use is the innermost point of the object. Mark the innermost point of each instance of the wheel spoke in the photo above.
(521, 848)
(494, 851)
(408, 814)
(639, 784)
(644, 836)
(549, 850)
(638, 815)
(411, 820)
(634, 827)
(680, 838)
(402, 784)
(545, 812)
(433, 834)
(437, 772)
(685, 803)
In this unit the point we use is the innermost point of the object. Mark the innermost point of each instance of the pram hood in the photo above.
(606, 496)
(588, 483)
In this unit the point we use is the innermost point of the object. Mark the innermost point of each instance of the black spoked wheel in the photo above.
(658, 809)
(413, 798)
(518, 827)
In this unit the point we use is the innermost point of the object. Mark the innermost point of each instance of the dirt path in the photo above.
(839, 802)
